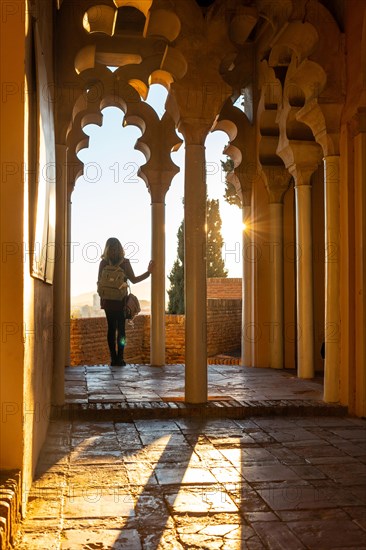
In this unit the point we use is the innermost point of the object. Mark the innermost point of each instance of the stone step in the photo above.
(10, 507)
(225, 408)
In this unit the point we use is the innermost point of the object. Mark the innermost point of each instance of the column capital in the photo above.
(277, 181)
(301, 158)
(330, 157)
(361, 117)
(357, 124)
(195, 130)
(331, 168)
(302, 173)
(157, 182)
(157, 141)
(324, 122)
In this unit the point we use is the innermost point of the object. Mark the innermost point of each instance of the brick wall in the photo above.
(224, 288)
(89, 343)
(223, 326)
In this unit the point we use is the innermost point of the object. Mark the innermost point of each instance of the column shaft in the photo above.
(304, 282)
(360, 271)
(195, 274)
(332, 279)
(68, 283)
(157, 339)
(59, 286)
(246, 344)
(276, 259)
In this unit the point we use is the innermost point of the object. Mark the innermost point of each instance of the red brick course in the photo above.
(224, 288)
(89, 344)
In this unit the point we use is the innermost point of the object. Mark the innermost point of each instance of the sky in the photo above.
(109, 200)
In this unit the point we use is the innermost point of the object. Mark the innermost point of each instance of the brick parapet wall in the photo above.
(223, 326)
(89, 344)
(224, 288)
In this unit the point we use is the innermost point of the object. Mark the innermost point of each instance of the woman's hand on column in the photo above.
(151, 265)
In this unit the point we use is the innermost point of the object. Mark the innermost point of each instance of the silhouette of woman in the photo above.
(115, 309)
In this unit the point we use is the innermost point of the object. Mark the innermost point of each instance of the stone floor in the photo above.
(143, 383)
(141, 391)
(258, 483)
(245, 482)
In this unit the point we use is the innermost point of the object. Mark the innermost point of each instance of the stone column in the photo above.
(277, 307)
(304, 277)
(302, 159)
(242, 150)
(157, 141)
(277, 182)
(360, 265)
(195, 263)
(68, 281)
(332, 279)
(157, 347)
(246, 345)
(59, 285)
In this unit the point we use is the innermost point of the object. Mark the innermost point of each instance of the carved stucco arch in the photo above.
(155, 60)
(314, 76)
(160, 18)
(159, 169)
(241, 149)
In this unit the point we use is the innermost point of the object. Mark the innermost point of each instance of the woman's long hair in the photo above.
(113, 251)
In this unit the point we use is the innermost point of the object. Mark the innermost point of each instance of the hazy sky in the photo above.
(110, 200)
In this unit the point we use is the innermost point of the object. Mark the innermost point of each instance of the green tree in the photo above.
(176, 277)
(230, 194)
(215, 242)
(215, 263)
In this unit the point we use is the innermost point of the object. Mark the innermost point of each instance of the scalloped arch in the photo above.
(141, 5)
(161, 77)
(227, 126)
(310, 77)
(162, 23)
(100, 18)
(300, 38)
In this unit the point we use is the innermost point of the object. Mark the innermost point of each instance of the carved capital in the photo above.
(301, 158)
(277, 180)
(157, 181)
(195, 130)
(324, 122)
(357, 124)
(302, 173)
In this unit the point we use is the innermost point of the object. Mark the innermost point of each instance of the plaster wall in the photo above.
(11, 267)
(26, 303)
(352, 214)
(39, 330)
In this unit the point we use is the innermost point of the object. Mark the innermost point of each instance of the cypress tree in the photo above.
(230, 194)
(215, 263)
(215, 242)
(176, 277)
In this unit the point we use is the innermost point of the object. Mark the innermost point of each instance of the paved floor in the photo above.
(256, 483)
(141, 391)
(143, 383)
(244, 482)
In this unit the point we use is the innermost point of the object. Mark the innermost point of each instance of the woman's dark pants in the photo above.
(116, 335)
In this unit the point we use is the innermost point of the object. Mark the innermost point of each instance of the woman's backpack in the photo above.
(112, 284)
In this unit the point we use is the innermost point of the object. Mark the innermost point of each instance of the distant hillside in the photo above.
(86, 299)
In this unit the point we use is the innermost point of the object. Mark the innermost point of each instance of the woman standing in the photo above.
(115, 309)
